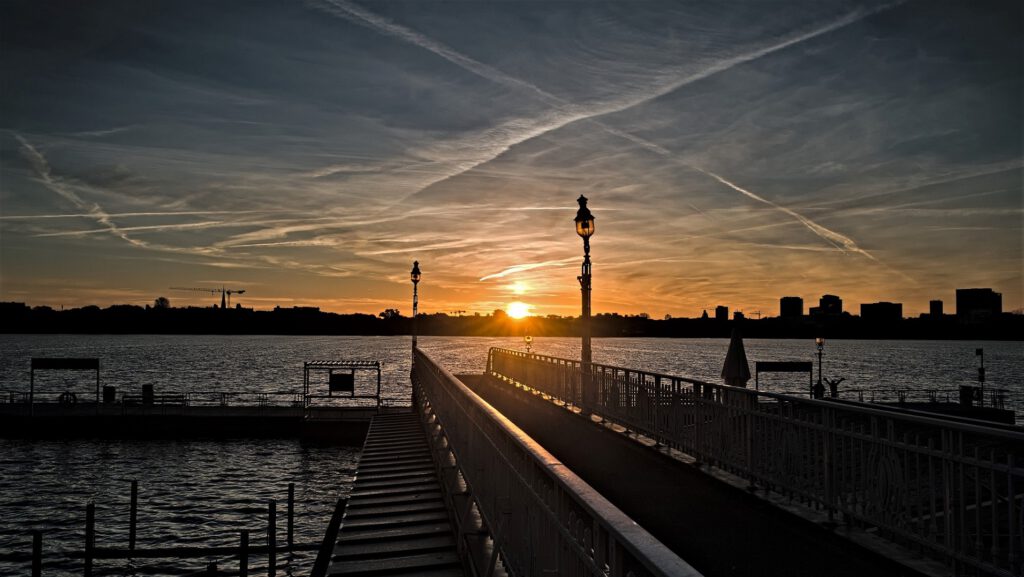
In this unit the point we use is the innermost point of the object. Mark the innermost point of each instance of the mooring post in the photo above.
(272, 540)
(291, 515)
(37, 553)
(133, 516)
(211, 568)
(90, 536)
(243, 555)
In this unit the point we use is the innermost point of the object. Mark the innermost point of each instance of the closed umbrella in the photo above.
(736, 371)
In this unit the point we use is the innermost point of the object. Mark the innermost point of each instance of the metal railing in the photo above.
(542, 519)
(954, 490)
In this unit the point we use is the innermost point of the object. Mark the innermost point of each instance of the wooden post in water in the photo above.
(291, 515)
(272, 540)
(243, 555)
(90, 536)
(37, 553)
(133, 516)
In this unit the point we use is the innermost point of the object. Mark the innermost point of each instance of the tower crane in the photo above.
(225, 294)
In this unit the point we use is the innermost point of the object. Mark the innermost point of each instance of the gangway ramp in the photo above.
(396, 522)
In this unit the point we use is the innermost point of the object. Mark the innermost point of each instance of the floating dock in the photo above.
(396, 522)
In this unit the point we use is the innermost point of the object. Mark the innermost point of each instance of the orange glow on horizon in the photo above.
(518, 310)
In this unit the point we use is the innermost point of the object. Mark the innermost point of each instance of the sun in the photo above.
(518, 310)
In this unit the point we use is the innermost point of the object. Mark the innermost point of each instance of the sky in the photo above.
(307, 152)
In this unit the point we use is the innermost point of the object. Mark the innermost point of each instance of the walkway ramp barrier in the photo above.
(950, 489)
(517, 509)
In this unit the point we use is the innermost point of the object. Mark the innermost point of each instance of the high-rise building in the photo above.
(721, 313)
(935, 309)
(828, 305)
(791, 307)
(978, 304)
(881, 312)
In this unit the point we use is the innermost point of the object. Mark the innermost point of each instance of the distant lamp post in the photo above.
(414, 275)
(585, 228)
(819, 388)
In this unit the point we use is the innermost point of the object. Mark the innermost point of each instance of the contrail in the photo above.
(571, 113)
(837, 240)
(359, 15)
(42, 169)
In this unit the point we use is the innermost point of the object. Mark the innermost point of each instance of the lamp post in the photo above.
(414, 275)
(585, 228)
(819, 389)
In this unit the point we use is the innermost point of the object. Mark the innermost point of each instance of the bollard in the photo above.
(272, 540)
(133, 517)
(291, 515)
(90, 536)
(211, 568)
(243, 555)
(37, 553)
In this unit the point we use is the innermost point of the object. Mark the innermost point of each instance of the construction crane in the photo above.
(225, 294)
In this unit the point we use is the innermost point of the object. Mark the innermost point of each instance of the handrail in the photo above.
(953, 488)
(541, 516)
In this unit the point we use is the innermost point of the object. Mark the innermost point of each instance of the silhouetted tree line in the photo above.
(163, 319)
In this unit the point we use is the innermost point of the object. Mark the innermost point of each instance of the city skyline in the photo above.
(308, 153)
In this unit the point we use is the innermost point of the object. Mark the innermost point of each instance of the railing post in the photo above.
(291, 515)
(272, 539)
(90, 536)
(133, 515)
(830, 496)
(37, 553)
(243, 554)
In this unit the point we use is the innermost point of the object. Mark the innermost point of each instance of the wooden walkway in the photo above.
(396, 522)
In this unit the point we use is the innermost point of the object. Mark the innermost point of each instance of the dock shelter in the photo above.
(784, 367)
(340, 379)
(63, 364)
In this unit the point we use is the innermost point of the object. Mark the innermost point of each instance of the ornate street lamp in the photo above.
(819, 389)
(585, 228)
(414, 275)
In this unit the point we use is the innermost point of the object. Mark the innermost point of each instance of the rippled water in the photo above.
(205, 492)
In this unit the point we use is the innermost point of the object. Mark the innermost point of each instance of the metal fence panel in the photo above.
(952, 489)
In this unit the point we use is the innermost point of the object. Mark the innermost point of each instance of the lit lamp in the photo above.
(414, 275)
(819, 389)
(585, 228)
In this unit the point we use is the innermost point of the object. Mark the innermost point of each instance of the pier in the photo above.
(544, 465)
(653, 474)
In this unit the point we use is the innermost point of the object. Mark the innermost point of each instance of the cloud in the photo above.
(528, 266)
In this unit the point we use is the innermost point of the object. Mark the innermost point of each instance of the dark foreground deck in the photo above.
(396, 522)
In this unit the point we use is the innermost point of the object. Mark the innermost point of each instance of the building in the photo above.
(721, 313)
(738, 316)
(791, 307)
(935, 309)
(881, 312)
(830, 305)
(978, 304)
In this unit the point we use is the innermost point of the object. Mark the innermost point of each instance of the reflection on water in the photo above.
(191, 493)
(205, 492)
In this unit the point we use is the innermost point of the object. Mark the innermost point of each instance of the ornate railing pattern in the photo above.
(542, 519)
(951, 489)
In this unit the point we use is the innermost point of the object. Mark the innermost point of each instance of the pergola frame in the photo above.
(60, 364)
(331, 367)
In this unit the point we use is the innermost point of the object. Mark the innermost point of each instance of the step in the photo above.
(394, 564)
